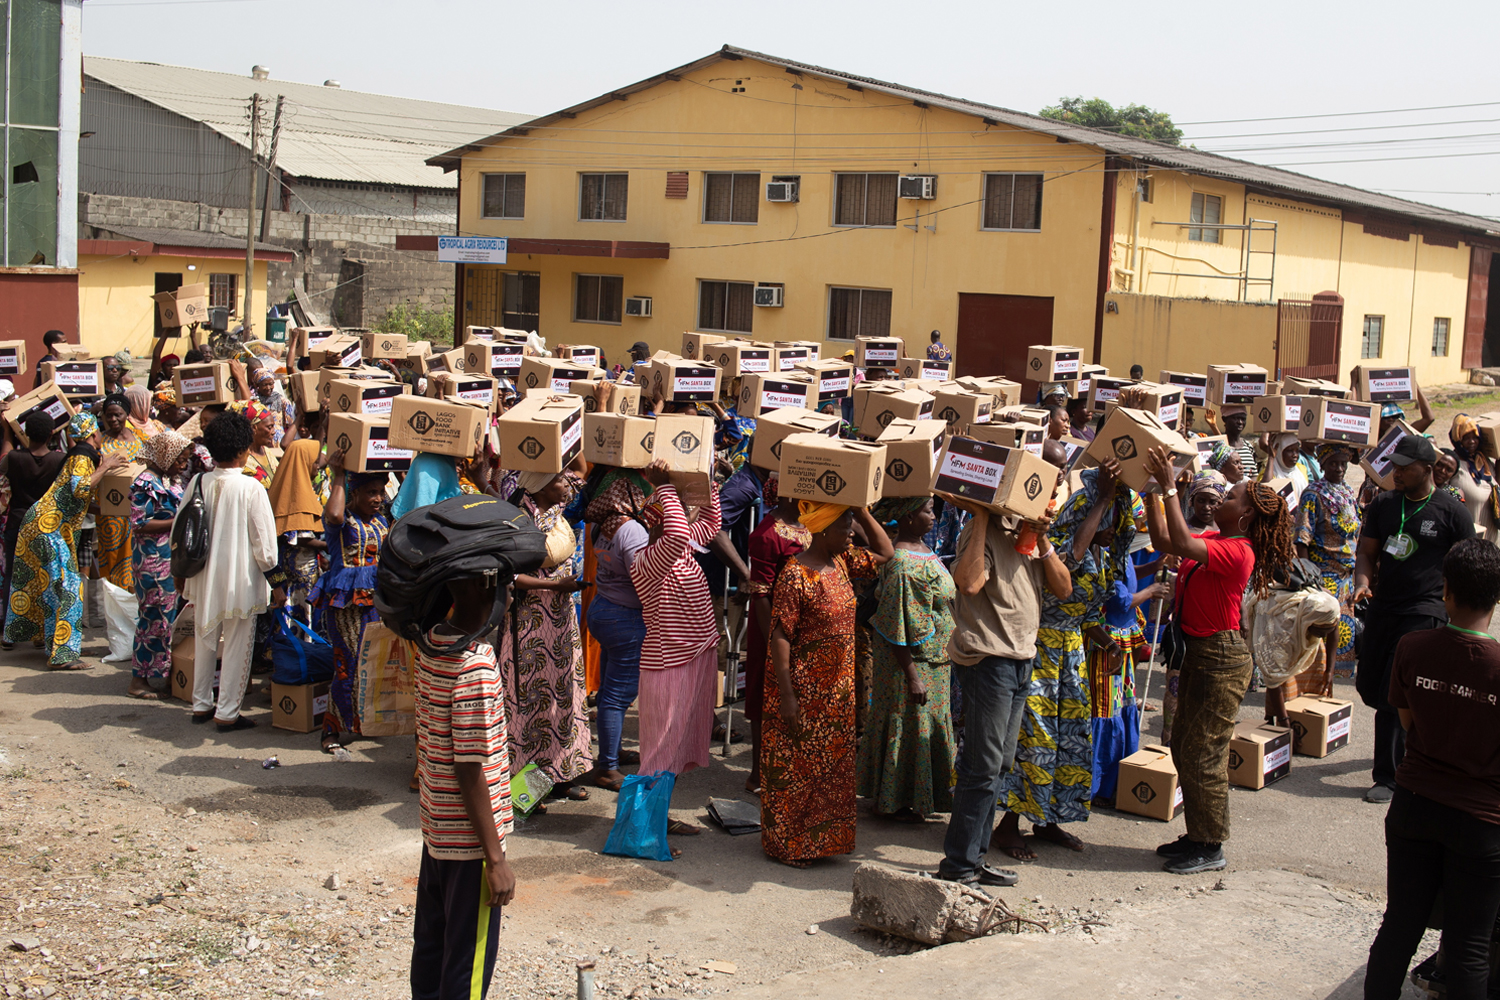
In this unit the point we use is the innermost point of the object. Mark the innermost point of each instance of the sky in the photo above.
(1399, 98)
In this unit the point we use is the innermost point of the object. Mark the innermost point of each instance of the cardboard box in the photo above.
(1346, 421)
(814, 347)
(1377, 461)
(686, 444)
(76, 378)
(784, 359)
(834, 377)
(183, 307)
(587, 390)
(442, 426)
(414, 361)
(1003, 390)
(1023, 414)
(201, 384)
(555, 372)
(771, 428)
(365, 439)
(1194, 386)
(1127, 435)
(1237, 385)
(579, 354)
(618, 397)
(1291, 385)
(831, 470)
(736, 357)
(113, 492)
(1006, 480)
(1259, 754)
(1385, 385)
(1319, 725)
(298, 708)
(45, 398)
(337, 351)
(761, 394)
(1053, 363)
(677, 380)
(1086, 376)
(912, 451)
(481, 390)
(304, 391)
(485, 333)
(961, 409)
(876, 404)
(693, 343)
(925, 368)
(495, 358)
(1163, 400)
(1105, 389)
(353, 395)
(12, 357)
(1148, 785)
(1027, 437)
(383, 345)
(878, 352)
(618, 439)
(303, 340)
(541, 433)
(1276, 414)
(184, 669)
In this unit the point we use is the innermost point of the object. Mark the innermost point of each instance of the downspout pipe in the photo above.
(1106, 248)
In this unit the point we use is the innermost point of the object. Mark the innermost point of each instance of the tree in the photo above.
(1131, 119)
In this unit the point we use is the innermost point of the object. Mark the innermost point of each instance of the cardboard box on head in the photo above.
(686, 444)
(541, 433)
(814, 347)
(1194, 386)
(1002, 391)
(831, 470)
(444, 426)
(1127, 435)
(772, 428)
(558, 373)
(1319, 725)
(912, 451)
(618, 397)
(12, 357)
(1259, 754)
(779, 390)
(1276, 414)
(1346, 421)
(1385, 385)
(303, 388)
(351, 395)
(481, 390)
(485, 333)
(45, 398)
(962, 408)
(495, 358)
(876, 404)
(365, 439)
(583, 354)
(834, 378)
(618, 439)
(1489, 433)
(1377, 461)
(202, 384)
(1028, 437)
(1053, 363)
(383, 345)
(1105, 389)
(878, 352)
(1005, 480)
(736, 357)
(1148, 784)
(415, 359)
(1022, 414)
(787, 358)
(677, 380)
(1086, 376)
(303, 340)
(337, 351)
(1236, 385)
(75, 378)
(694, 342)
(1295, 386)
(925, 368)
(183, 307)
(1163, 400)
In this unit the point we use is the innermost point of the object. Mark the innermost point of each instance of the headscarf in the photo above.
(115, 399)
(1210, 481)
(252, 410)
(1326, 452)
(139, 399)
(1391, 410)
(1075, 511)
(81, 427)
(734, 437)
(892, 509)
(1219, 456)
(170, 358)
(167, 394)
(1478, 465)
(293, 499)
(162, 449)
(621, 496)
(431, 478)
(816, 516)
(359, 480)
(535, 482)
(1280, 470)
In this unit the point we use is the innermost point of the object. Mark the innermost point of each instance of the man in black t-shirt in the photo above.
(1407, 532)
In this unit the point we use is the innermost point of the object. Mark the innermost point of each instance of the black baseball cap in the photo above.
(1414, 448)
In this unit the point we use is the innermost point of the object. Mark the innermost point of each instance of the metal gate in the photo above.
(1308, 334)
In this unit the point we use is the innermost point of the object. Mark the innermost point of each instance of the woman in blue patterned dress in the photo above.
(154, 498)
(1327, 532)
(1054, 770)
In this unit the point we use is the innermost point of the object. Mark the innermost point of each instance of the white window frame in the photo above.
(1447, 328)
(735, 175)
(828, 309)
(984, 199)
(484, 182)
(1205, 235)
(1364, 337)
(595, 274)
(724, 281)
(583, 176)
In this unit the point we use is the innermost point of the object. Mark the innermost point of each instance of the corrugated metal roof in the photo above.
(1254, 175)
(328, 132)
(185, 238)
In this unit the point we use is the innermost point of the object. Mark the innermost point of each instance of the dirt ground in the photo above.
(144, 857)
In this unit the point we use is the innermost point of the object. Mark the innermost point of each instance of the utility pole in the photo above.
(265, 212)
(250, 213)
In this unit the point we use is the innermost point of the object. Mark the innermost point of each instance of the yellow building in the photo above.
(121, 271)
(748, 194)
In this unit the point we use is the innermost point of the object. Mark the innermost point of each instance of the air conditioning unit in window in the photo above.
(923, 187)
(638, 305)
(784, 190)
(770, 295)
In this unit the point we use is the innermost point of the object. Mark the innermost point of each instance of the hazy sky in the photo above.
(1201, 62)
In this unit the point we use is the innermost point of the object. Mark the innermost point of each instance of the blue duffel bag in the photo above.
(298, 654)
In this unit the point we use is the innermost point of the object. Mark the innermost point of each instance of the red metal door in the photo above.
(1308, 334)
(1478, 306)
(994, 332)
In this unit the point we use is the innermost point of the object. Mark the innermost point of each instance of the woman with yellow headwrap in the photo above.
(1475, 477)
(808, 747)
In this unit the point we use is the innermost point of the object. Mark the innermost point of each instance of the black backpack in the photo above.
(465, 536)
(191, 533)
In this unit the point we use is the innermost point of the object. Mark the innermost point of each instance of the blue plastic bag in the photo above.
(305, 658)
(640, 829)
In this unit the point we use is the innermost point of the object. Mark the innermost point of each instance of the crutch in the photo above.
(1161, 603)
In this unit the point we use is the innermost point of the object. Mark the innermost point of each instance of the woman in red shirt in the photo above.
(1252, 541)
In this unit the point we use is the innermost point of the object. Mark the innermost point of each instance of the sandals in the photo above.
(75, 665)
(630, 758)
(607, 783)
(677, 828)
(331, 743)
(572, 793)
(240, 722)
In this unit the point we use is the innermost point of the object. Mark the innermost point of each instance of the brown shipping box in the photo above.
(303, 387)
(588, 391)
(114, 489)
(1276, 414)
(876, 405)
(482, 333)
(365, 439)
(771, 428)
(1126, 437)
(1105, 389)
(814, 347)
(1489, 433)
(618, 439)
(78, 379)
(1023, 414)
(541, 433)
(618, 397)
(582, 354)
(912, 451)
(1236, 385)
(1148, 785)
(1003, 390)
(1086, 376)
(686, 444)
(1319, 725)
(961, 409)
(12, 357)
(415, 359)
(694, 342)
(1053, 363)
(298, 708)
(777, 391)
(495, 358)
(925, 368)
(834, 378)
(677, 380)
(337, 351)
(351, 395)
(1377, 461)
(878, 352)
(1259, 754)
(555, 372)
(198, 385)
(383, 345)
(481, 390)
(786, 357)
(444, 361)
(1346, 421)
(45, 398)
(1385, 385)
(1005, 480)
(184, 652)
(1194, 386)
(736, 357)
(444, 426)
(303, 339)
(1295, 386)
(831, 470)
(1163, 400)
(183, 307)
(1028, 437)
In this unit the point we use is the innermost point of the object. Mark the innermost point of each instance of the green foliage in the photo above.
(1131, 119)
(417, 321)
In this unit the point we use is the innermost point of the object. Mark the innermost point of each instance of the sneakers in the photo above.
(1380, 794)
(1197, 858)
(1177, 848)
(984, 875)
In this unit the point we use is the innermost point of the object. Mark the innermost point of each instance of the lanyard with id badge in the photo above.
(1400, 546)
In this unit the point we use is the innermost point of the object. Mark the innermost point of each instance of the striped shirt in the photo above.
(675, 601)
(460, 720)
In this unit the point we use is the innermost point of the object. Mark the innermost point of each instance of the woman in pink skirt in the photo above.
(679, 659)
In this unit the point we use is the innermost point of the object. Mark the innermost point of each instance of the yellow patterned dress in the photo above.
(46, 590)
(112, 532)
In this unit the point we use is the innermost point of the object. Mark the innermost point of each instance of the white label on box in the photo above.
(77, 380)
(486, 396)
(939, 373)
(1069, 367)
(380, 448)
(1338, 729)
(56, 410)
(381, 404)
(1293, 414)
(316, 338)
(1276, 758)
(1107, 395)
(563, 385)
(1170, 413)
(320, 704)
(837, 383)
(589, 357)
(982, 417)
(973, 470)
(1083, 387)
(351, 356)
(505, 364)
(776, 400)
(572, 435)
(881, 354)
(1348, 422)
(926, 414)
(1390, 385)
(692, 383)
(751, 363)
(1194, 395)
(1035, 447)
(197, 386)
(1233, 388)
(1177, 798)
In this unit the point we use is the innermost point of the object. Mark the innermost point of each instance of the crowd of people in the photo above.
(924, 654)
